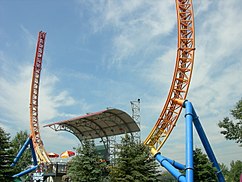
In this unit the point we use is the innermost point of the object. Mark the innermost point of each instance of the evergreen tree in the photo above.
(6, 157)
(233, 129)
(203, 170)
(167, 177)
(86, 165)
(235, 171)
(133, 163)
(26, 157)
(224, 170)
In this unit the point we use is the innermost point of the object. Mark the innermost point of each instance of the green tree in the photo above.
(235, 171)
(86, 165)
(6, 157)
(203, 170)
(224, 170)
(167, 177)
(233, 128)
(26, 157)
(133, 163)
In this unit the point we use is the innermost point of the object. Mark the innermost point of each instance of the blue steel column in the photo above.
(189, 141)
(21, 151)
(27, 142)
(33, 152)
(207, 147)
(176, 164)
(166, 164)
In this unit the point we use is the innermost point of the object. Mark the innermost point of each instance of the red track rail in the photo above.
(34, 94)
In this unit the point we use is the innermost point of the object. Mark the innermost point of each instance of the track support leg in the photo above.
(203, 138)
(172, 166)
(189, 144)
(166, 164)
(21, 151)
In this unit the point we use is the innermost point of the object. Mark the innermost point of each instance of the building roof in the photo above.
(100, 124)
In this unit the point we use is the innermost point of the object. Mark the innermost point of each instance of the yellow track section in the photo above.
(181, 78)
(34, 94)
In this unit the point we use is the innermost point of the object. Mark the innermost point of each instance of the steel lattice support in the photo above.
(135, 105)
(181, 78)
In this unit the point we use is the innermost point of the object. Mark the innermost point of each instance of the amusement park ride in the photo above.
(37, 148)
(176, 100)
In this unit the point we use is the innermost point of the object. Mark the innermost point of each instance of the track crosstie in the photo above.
(181, 77)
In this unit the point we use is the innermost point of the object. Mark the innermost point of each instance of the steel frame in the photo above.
(174, 167)
(181, 78)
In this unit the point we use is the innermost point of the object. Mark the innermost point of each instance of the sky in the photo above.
(101, 54)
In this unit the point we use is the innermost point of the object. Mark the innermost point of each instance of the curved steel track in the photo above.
(34, 94)
(181, 77)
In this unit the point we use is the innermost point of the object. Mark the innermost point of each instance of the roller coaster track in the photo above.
(34, 123)
(181, 77)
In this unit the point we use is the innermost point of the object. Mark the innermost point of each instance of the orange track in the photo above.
(181, 78)
(34, 123)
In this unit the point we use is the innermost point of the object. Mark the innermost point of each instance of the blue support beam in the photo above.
(25, 171)
(204, 139)
(177, 165)
(21, 151)
(207, 147)
(33, 153)
(166, 164)
(189, 142)
(172, 166)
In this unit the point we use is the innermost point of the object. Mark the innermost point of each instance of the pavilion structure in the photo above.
(104, 125)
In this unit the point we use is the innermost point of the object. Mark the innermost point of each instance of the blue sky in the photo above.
(101, 54)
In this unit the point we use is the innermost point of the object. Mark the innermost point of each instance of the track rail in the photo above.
(34, 94)
(181, 77)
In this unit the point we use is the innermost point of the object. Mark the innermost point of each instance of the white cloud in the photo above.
(29, 38)
(50, 100)
(201, 6)
(218, 61)
(15, 79)
(138, 34)
(142, 45)
(135, 26)
(14, 105)
(15, 97)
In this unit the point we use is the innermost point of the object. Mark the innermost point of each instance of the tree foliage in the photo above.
(224, 170)
(203, 170)
(133, 163)
(26, 157)
(6, 157)
(235, 171)
(233, 128)
(86, 165)
(167, 177)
